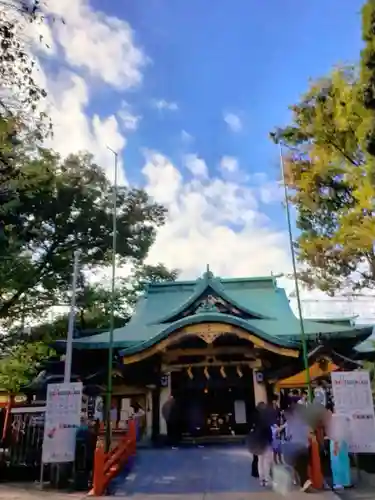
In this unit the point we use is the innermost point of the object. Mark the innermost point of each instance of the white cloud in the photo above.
(163, 105)
(95, 47)
(196, 165)
(75, 131)
(186, 138)
(233, 121)
(269, 191)
(100, 44)
(220, 223)
(129, 120)
(229, 164)
(212, 221)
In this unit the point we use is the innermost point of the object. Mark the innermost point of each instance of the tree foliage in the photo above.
(367, 77)
(330, 168)
(331, 175)
(59, 206)
(20, 90)
(20, 364)
(24, 351)
(94, 306)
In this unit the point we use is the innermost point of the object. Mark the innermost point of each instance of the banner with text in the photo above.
(352, 397)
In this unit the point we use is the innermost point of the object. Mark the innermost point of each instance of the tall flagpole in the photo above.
(296, 284)
(108, 435)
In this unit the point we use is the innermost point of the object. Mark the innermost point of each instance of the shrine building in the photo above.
(223, 344)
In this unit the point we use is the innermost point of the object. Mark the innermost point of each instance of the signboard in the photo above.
(352, 397)
(62, 419)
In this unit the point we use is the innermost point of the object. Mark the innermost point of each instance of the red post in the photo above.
(132, 435)
(7, 417)
(98, 485)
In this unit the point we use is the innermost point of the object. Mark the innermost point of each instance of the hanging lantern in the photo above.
(190, 373)
(222, 372)
(323, 364)
(206, 373)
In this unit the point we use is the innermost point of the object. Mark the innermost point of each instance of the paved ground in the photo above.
(15, 492)
(32, 492)
(211, 473)
(190, 471)
(220, 473)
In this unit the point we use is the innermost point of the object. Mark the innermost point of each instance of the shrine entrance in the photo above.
(212, 376)
(215, 410)
(214, 400)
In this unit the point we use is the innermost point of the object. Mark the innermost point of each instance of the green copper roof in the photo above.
(347, 321)
(266, 307)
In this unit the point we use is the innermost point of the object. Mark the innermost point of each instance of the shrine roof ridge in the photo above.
(271, 279)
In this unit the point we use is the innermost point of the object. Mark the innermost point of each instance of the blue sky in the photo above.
(252, 58)
(187, 92)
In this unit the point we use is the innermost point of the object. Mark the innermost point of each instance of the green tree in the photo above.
(23, 352)
(94, 305)
(328, 172)
(367, 79)
(62, 205)
(20, 364)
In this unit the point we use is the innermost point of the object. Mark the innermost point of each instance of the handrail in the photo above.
(108, 465)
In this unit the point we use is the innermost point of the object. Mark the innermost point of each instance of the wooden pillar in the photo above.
(155, 408)
(155, 400)
(260, 391)
(149, 413)
(165, 393)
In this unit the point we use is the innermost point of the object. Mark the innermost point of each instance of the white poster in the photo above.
(240, 412)
(352, 397)
(62, 419)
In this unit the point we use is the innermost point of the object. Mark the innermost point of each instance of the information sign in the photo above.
(62, 419)
(352, 397)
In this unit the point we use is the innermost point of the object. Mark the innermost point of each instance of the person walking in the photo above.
(260, 443)
(170, 412)
(320, 395)
(138, 415)
(296, 451)
(338, 433)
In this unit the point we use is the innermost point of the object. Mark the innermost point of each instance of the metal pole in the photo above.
(72, 314)
(298, 297)
(108, 435)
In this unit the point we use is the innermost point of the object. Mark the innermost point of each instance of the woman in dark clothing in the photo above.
(171, 413)
(254, 467)
(260, 442)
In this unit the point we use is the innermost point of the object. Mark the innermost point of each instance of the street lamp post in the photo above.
(108, 434)
(296, 284)
(72, 314)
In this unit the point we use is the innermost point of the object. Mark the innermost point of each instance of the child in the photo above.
(276, 444)
(279, 437)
